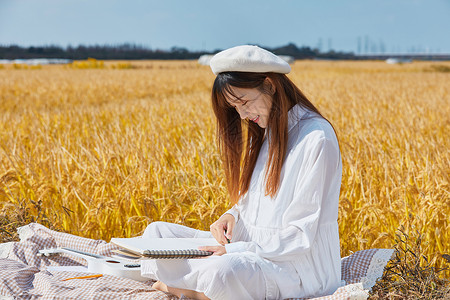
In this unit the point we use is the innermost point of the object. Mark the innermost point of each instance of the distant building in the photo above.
(289, 59)
(36, 61)
(205, 59)
(393, 60)
(396, 58)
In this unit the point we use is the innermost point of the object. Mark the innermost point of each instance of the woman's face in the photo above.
(251, 104)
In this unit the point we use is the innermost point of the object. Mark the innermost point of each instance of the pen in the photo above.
(227, 238)
(84, 277)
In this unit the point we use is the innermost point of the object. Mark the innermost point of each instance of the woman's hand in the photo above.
(218, 250)
(222, 229)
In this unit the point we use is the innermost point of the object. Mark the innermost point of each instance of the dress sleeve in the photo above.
(317, 173)
(234, 212)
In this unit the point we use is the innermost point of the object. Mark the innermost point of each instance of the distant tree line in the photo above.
(306, 52)
(129, 51)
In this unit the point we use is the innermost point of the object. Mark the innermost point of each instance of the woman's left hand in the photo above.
(218, 250)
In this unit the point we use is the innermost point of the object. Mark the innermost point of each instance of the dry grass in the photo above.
(410, 274)
(102, 152)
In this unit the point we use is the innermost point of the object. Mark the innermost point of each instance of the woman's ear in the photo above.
(269, 85)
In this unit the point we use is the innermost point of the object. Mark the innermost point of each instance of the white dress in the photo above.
(282, 247)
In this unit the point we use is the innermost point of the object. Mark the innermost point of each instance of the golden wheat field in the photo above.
(101, 149)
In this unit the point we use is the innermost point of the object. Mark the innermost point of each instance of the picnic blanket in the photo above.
(24, 274)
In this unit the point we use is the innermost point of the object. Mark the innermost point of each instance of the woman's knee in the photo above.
(225, 267)
(232, 270)
(155, 230)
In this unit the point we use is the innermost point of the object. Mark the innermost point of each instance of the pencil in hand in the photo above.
(228, 240)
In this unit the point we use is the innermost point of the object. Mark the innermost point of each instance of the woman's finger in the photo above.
(218, 235)
(217, 250)
(229, 231)
(218, 231)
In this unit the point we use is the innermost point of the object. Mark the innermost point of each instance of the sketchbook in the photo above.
(164, 248)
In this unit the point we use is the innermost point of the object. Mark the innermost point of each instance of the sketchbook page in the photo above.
(139, 245)
(125, 254)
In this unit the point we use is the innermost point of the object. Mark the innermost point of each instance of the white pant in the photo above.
(230, 276)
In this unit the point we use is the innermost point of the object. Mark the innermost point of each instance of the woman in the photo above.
(284, 180)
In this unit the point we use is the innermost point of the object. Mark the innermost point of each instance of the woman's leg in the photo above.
(230, 276)
(171, 230)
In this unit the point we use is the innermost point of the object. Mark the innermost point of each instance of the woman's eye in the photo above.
(244, 103)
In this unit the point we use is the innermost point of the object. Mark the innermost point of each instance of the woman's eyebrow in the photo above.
(236, 99)
(240, 98)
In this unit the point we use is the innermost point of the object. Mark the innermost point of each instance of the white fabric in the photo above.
(293, 237)
(355, 291)
(248, 58)
(234, 212)
(5, 249)
(376, 267)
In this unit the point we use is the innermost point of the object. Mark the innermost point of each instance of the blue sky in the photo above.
(395, 25)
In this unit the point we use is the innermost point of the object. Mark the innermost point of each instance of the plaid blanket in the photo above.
(24, 274)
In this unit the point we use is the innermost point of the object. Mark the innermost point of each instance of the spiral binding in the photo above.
(171, 254)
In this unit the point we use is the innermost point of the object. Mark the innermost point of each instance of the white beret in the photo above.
(248, 58)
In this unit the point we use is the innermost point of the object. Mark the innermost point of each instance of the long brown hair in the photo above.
(239, 155)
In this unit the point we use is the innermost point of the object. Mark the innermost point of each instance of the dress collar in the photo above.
(295, 114)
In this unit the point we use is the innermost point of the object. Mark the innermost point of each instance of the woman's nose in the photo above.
(242, 112)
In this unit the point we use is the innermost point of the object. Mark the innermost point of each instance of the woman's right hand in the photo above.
(222, 229)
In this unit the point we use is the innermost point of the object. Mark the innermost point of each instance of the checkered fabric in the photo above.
(23, 273)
